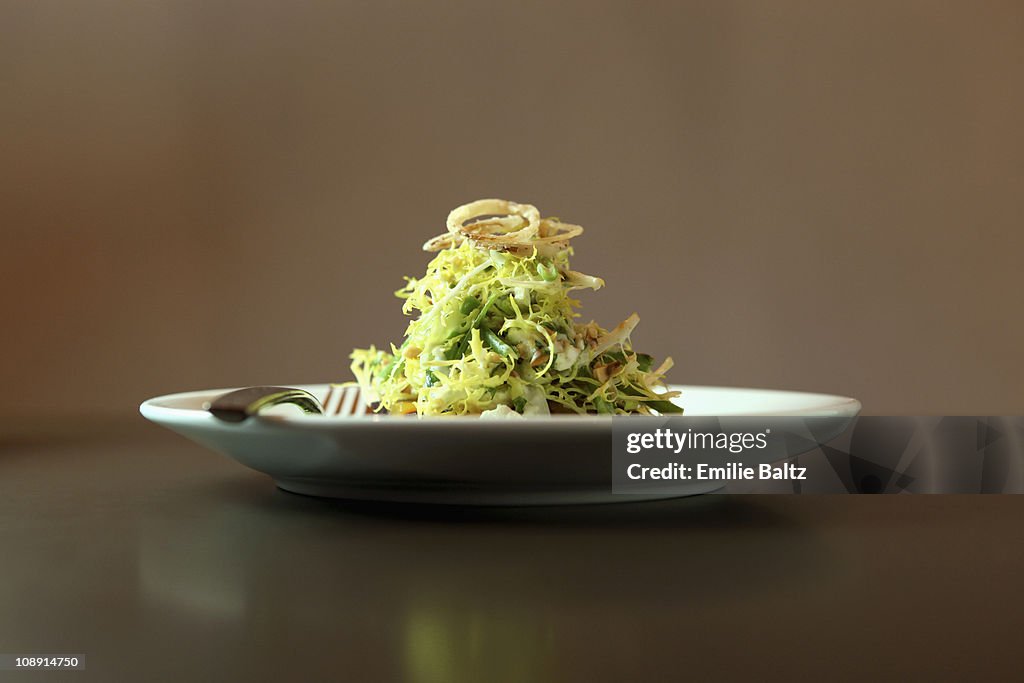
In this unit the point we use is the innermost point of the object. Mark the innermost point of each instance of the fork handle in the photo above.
(241, 404)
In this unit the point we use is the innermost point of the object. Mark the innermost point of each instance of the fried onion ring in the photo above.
(460, 220)
(499, 224)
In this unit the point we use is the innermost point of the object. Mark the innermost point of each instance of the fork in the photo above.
(238, 405)
(345, 400)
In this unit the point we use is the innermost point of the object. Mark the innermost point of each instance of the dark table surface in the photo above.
(160, 561)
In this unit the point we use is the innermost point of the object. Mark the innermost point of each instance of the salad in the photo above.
(495, 329)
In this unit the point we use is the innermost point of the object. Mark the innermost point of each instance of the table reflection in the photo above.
(459, 594)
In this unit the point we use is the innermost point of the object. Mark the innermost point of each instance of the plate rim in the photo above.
(831, 405)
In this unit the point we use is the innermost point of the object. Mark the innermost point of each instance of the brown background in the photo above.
(796, 195)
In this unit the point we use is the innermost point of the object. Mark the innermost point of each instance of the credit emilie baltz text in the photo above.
(690, 440)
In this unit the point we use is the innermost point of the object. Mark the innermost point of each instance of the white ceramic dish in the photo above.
(562, 459)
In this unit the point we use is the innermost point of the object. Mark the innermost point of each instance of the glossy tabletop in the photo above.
(160, 561)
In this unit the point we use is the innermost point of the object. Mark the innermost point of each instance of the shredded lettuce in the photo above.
(495, 330)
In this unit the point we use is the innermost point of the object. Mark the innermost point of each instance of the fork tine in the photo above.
(345, 401)
(347, 406)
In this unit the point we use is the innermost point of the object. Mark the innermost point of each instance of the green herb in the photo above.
(665, 407)
(468, 304)
(497, 343)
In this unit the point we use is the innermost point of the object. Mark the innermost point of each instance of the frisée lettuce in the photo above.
(494, 329)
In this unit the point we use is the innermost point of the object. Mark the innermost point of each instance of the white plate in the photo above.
(561, 459)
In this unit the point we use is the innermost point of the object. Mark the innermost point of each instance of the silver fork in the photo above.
(345, 401)
(241, 404)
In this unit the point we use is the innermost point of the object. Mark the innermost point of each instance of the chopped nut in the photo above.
(404, 408)
(603, 372)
